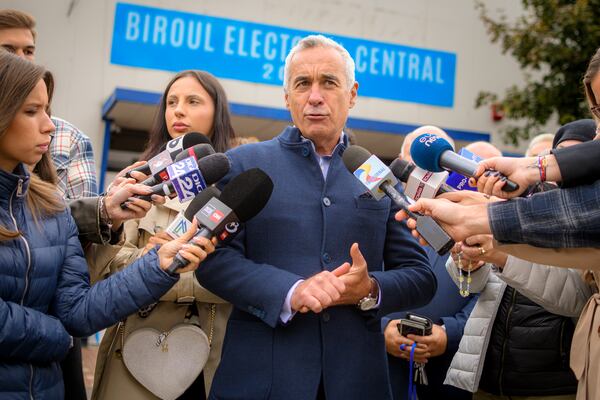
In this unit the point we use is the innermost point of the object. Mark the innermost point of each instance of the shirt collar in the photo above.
(341, 141)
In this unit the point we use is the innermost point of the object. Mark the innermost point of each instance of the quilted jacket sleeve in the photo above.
(84, 309)
(559, 290)
(27, 335)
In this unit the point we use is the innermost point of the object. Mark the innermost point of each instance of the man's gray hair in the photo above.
(311, 41)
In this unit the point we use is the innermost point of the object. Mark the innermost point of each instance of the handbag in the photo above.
(164, 361)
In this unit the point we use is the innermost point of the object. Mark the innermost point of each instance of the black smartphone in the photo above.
(414, 324)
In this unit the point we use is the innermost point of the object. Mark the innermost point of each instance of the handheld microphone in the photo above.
(171, 149)
(198, 151)
(380, 180)
(435, 154)
(189, 177)
(183, 220)
(241, 199)
(419, 183)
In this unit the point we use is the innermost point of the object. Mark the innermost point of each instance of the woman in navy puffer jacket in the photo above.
(45, 295)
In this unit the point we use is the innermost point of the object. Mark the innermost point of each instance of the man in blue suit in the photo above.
(313, 272)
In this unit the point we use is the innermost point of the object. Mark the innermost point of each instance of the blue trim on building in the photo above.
(105, 150)
(279, 114)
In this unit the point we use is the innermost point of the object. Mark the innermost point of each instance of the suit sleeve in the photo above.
(407, 281)
(27, 335)
(241, 281)
(84, 310)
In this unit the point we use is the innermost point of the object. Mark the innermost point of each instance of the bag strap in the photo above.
(192, 317)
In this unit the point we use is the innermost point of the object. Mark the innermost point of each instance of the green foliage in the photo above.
(554, 40)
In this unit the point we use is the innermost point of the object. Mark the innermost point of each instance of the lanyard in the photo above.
(412, 387)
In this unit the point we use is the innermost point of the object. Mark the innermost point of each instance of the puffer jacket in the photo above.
(493, 311)
(45, 295)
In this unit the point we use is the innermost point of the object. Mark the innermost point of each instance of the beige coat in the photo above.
(585, 348)
(111, 379)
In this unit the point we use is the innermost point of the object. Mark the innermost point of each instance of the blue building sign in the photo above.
(170, 40)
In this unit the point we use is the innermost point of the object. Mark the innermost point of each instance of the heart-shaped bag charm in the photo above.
(166, 363)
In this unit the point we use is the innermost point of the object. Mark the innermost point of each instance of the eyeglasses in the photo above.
(596, 110)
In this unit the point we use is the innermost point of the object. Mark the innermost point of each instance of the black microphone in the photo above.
(198, 151)
(171, 149)
(209, 170)
(435, 154)
(419, 182)
(241, 199)
(380, 180)
(182, 222)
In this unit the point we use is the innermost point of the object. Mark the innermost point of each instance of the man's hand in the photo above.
(458, 221)
(194, 253)
(319, 291)
(435, 343)
(393, 340)
(357, 281)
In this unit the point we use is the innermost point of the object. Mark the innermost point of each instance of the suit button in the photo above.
(326, 257)
(326, 201)
(325, 316)
(305, 151)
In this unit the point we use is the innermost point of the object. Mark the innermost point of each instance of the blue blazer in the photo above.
(447, 308)
(308, 226)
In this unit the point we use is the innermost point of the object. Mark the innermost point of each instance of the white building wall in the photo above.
(77, 46)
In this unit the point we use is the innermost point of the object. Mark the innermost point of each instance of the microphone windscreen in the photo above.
(194, 138)
(247, 193)
(214, 167)
(200, 200)
(354, 157)
(197, 151)
(402, 169)
(426, 150)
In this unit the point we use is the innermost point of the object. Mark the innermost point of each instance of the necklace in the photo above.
(464, 292)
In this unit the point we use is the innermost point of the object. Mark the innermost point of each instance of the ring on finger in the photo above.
(481, 251)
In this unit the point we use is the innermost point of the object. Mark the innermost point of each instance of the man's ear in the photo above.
(353, 94)
(287, 103)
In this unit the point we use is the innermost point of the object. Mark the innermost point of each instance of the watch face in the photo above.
(367, 303)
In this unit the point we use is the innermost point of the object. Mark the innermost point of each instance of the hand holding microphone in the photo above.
(242, 198)
(458, 221)
(435, 154)
(193, 250)
(523, 171)
(380, 182)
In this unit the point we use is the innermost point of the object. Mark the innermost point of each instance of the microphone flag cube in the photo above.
(372, 173)
(186, 178)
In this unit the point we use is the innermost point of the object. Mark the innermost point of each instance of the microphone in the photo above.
(189, 177)
(419, 183)
(198, 151)
(171, 149)
(183, 220)
(435, 154)
(380, 181)
(241, 199)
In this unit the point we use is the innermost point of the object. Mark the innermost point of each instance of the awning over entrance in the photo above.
(135, 110)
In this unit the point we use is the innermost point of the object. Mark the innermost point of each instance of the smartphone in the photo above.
(414, 324)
